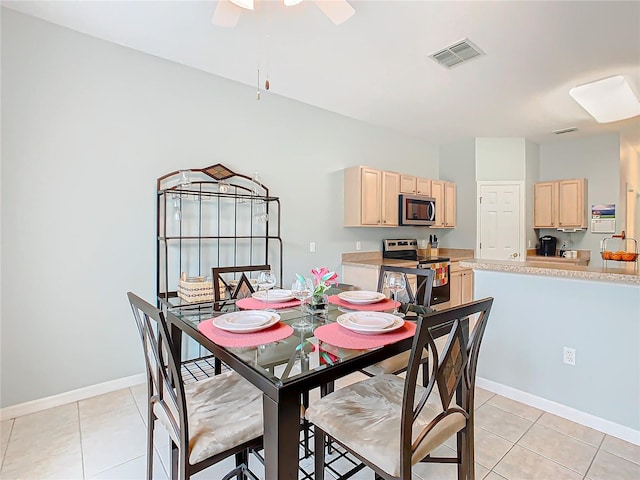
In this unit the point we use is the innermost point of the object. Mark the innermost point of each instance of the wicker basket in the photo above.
(195, 289)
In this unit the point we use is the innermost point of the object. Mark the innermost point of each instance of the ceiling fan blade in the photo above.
(226, 14)
(338, 11)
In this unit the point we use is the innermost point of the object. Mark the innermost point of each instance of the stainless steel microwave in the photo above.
(417, 210)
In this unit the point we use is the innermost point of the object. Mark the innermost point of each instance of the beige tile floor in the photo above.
(104, 438)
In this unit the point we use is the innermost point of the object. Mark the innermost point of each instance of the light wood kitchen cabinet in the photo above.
(423, 186)
(560, 204)
(407, 184)
(390, 191)
(437, 192)
(416, 185)
(370, 197)
(445, 196)
(461, 287)
(449, 204)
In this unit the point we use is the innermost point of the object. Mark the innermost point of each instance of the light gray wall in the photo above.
(457, 164)
(532, 175)
(500, 159)
(597, 159)
(88, 127)
(535, 317)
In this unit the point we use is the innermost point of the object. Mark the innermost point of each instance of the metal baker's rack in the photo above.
(620, 248)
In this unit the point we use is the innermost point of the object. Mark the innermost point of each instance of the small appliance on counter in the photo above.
(547, 246)
(407, 249)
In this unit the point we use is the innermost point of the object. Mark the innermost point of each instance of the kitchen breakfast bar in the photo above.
(539, 311)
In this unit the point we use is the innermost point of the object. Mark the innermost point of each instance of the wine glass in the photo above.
(302, 288)
(395, 282)
(266, 281)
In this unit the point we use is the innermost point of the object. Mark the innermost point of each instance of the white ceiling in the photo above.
(375, 66)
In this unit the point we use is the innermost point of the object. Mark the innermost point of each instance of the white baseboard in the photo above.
(34, 406)
(577, 416)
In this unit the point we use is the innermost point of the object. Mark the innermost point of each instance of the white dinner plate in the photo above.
(371, 320)
(275, 296)
(246, 321)
(347, 322)
(361, 297)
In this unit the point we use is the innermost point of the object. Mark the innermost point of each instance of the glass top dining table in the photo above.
(290, 366)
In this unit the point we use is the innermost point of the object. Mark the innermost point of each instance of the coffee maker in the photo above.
(547, 246)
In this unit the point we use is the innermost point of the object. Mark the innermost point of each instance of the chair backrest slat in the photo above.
(241, 290)
(424, 281)
(163, 371)
(452, 369)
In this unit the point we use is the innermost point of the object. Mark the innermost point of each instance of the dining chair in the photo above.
(208, 420)
(398, 363)
(411, 420)
(233, 291)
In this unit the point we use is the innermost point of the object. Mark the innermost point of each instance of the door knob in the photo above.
(514, 255)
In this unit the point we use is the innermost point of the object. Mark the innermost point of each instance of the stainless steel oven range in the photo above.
(407, 249)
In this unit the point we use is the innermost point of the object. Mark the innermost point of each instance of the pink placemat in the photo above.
(251, 303)
(335, 334)
(386, 304)
(279, 331)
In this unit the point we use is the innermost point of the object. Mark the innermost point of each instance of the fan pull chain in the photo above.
(258, 91)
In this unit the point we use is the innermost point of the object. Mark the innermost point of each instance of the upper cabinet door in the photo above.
(390, 192)
(437, 192)
(544, 205)
(423, 186)
(571, 203)
(371, 196)
(407, 184)
(560, 204)
(449, 204)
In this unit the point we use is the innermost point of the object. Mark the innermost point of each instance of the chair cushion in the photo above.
(223, 411)
(395, 364)
(366, 415)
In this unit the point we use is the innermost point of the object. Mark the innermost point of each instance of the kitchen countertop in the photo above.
(375, 260)
(583, 258)
(616, 275)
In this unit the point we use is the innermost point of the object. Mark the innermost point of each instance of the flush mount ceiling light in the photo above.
(607, 100)
(228, 12)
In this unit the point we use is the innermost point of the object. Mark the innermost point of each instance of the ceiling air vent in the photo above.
(457, 53)
(565, 130)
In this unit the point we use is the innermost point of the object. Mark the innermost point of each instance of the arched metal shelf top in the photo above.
(215, 198)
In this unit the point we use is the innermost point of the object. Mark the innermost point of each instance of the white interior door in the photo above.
(500, 220)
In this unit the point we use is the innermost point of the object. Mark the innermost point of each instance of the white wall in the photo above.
(596, 158)
(87, 128)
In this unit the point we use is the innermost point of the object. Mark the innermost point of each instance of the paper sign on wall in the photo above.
(603, 218)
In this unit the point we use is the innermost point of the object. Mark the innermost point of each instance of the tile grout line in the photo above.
(571, 437)
(81, 444)
(594, 457)
(513, 444)
(155, 447)
(4, 451)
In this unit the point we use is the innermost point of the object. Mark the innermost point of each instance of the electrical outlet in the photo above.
(312, 247)
(569, 356)
(358, 246)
